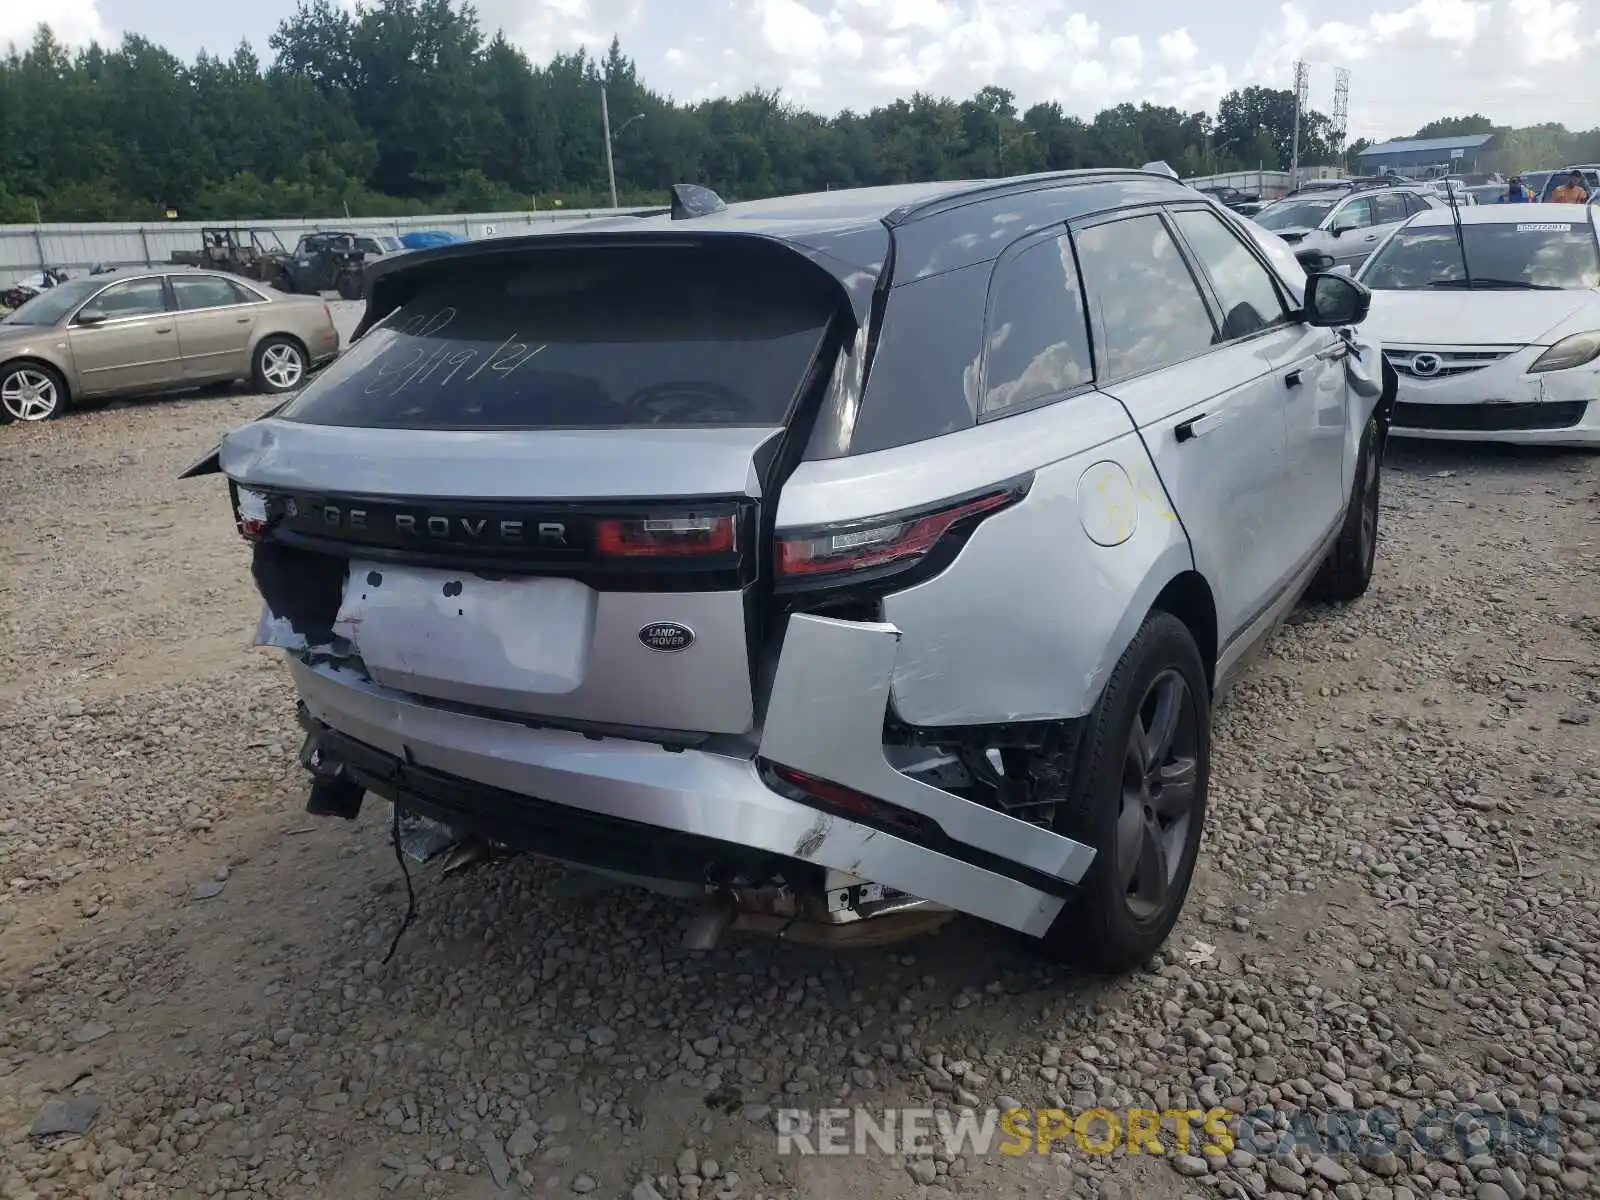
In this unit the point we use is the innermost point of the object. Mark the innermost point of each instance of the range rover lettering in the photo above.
(853, 559)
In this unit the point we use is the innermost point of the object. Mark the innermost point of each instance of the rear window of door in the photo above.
(1147, 309)
(1388, 208)
(1038, 335)
(1249, 299)
(599, 339)
(200, 291)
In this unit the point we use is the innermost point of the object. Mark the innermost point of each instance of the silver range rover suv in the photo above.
(844, 560)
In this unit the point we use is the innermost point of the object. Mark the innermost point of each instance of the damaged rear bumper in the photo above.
(611, 802)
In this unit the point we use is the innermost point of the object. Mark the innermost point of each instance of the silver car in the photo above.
(841, 558)
(1346, 224)
(144, 330)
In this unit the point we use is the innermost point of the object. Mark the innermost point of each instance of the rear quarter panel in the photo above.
(1031, 617)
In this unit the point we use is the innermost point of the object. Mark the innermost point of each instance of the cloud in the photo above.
(835, 54)
(1435, 58)
(74, 22)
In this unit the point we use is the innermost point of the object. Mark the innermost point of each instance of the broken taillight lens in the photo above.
(669, 537)
(249, 513)
(895, 542)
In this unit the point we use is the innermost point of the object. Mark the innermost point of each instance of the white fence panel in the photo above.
(25, 249)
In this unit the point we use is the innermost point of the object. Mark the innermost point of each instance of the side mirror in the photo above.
(1314, 260)
(1341, 229)
(89, 316)
(1333, 301)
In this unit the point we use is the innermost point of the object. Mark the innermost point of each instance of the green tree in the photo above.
(411, 106)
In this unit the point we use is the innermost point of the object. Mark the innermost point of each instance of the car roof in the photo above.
(156, 269)
(1506, 214)
(938, 226)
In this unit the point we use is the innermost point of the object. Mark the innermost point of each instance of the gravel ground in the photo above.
(1397, 906)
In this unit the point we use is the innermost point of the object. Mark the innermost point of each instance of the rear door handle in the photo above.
(163, 329)
(1371, 237)
(242, 320)
(1196, 427)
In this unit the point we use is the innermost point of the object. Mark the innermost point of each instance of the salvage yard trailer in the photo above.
(76, 247)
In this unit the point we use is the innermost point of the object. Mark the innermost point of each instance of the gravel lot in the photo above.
(1398, 904)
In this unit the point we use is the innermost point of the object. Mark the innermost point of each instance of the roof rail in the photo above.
(691, 200)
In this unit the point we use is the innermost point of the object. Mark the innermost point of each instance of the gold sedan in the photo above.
(135, 331)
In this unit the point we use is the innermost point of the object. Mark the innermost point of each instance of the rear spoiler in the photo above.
(389, 280)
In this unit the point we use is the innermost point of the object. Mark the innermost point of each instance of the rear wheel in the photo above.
(1347, 572)
(280, 365)
(349, 286)
(1139, 801)
(31, 392)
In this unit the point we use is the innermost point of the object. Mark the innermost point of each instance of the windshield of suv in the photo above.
(51, 305)
(1538, 254)
(587, 340)
(1295, 212)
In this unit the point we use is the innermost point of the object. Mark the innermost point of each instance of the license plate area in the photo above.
(458, 634)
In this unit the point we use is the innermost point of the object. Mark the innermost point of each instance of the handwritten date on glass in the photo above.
(407, 365)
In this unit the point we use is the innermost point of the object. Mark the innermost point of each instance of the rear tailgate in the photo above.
(540, 488)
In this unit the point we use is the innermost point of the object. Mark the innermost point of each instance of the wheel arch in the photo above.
(32, 360)
(1188, 597)
(280, 335)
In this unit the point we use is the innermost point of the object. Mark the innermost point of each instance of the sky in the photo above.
(1520, 62)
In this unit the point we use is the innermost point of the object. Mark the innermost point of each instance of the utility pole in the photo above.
(611, 168)
(1300, 77)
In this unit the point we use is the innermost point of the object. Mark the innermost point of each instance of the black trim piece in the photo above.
(211, 464)
(917, 829)
(869, 584)
(504, 537)
(1489, 417)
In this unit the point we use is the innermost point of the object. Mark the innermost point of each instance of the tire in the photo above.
(1124, 909)
(31, 391)
(1347, 571)
(280, 365)
(349, 286)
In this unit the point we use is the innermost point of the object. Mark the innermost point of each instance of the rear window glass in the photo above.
(599, 340)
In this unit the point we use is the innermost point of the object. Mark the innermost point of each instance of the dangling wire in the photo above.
(411, 895)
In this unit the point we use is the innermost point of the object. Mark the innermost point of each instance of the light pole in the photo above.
(605, 122)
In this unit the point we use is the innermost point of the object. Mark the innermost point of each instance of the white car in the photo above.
(1508, 352)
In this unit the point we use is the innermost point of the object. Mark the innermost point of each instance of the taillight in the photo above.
(898, 542)
(668, 537)
(249, 513)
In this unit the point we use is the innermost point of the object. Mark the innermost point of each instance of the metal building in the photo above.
(1420, 158)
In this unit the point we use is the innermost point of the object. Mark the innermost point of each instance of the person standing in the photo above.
(1572, 191)
(1517, 192)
